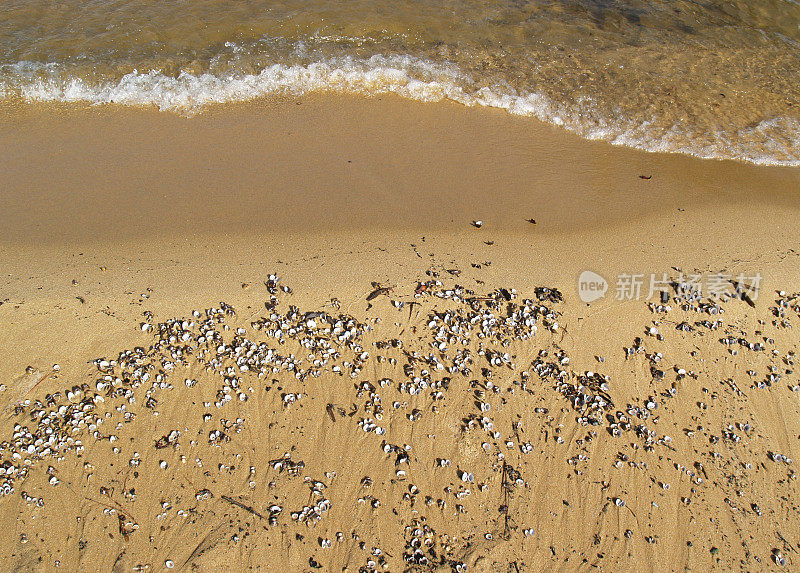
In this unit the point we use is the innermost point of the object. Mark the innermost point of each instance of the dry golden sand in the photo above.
(112, 213)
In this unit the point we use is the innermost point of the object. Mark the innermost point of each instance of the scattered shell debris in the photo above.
(421, 439)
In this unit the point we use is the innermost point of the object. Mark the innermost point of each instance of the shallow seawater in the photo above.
(714, 79)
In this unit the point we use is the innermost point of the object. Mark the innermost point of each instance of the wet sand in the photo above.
(111, 213)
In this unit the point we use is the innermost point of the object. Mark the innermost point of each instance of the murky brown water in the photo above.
(716, 79)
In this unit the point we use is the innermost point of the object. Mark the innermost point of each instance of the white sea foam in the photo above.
(772, 142)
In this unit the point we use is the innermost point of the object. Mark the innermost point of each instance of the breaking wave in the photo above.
(771, 142)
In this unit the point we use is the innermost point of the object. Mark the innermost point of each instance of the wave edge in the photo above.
(778, 139)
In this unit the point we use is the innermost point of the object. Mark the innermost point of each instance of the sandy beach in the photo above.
(346, 334)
